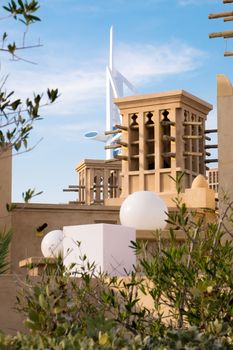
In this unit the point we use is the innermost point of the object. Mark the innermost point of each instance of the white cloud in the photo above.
(77, 87)
(82, 87)
(195, 2)
(141, 63)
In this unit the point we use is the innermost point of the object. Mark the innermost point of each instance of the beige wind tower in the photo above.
(162, 135)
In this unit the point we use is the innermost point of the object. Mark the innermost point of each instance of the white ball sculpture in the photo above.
(52, 244)
(143, 210)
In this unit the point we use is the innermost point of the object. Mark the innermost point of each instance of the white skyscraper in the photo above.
(115, 82)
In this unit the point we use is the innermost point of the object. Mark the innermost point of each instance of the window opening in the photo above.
(150, 142)
(166, 140)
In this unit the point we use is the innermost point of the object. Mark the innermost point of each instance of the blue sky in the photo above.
(160, 45)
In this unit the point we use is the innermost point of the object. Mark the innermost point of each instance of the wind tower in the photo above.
(163, 135)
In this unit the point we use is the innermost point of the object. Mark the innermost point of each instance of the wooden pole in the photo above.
(228, 53)
(226, 34)
(228, 19)
(121, 127)
(227, 1)
(210, 131)
(112, 132)
(220, 14)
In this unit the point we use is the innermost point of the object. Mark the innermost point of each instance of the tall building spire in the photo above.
(115, 82)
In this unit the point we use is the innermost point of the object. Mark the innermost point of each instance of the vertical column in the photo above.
(106, 190)
(172, 117)
(5, 187)
(125, 164)
(187, 146)
(81, 183)
(90, 185)
(225, 128)
(179, 142)
(157, 113)
(141, 136)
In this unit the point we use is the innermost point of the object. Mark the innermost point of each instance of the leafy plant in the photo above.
(5, 239)
(17, 117)
(115, 340)
(191, 282)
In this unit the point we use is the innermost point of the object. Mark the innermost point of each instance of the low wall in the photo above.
(26, 218)
(11, 321)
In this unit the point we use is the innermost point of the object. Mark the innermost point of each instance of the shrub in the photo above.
(190, 283)
(173, 340)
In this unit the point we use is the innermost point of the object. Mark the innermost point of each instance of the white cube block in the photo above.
(106, 245)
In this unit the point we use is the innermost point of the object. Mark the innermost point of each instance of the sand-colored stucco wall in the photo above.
(10, 320)
(5, 188)
(225, 144)
(26, 218)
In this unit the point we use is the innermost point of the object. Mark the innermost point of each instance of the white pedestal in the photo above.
(105, 245)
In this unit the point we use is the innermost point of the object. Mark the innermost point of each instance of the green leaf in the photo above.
(5, 239)
(12, 48)
(15, 104)
(42, 302)
(10, 207)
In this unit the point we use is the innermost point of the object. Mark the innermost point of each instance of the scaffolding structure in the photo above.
(227, 17)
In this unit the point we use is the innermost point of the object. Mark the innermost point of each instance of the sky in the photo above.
(160, 45)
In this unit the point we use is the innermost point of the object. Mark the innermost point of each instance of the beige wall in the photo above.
(225, 126)
(27, 217)
(225, 145)
(10, 320)
(5, 187)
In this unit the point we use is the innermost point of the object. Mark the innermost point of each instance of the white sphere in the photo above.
(52, 244)
(143, 210)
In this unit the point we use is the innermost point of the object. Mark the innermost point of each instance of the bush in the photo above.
(173, 340)
(190, 283)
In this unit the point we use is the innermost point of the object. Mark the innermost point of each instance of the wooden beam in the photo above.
(226, 34)
(210, 131)
(228, 19)
(112, 132)
(121, 157)
(220, 15)
(118, 144)
(227, 1)
(208, 138)
(192, 137)
(121, 127)
(195, 154)
(192, 123)
(168, 138)
(228, 53)
(113, 146)
(122, 143)
(167, 122)
(211, 161)
(211, 146)
(168, 155)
